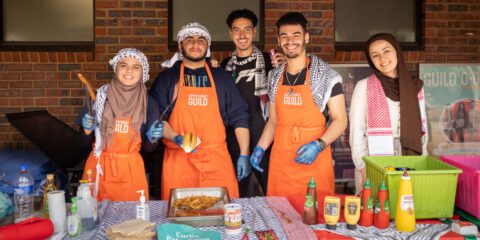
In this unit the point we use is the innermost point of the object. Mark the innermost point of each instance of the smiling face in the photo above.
(384, 57)
(129, 71)
(293, 39)
(242, 34)
(194, 48)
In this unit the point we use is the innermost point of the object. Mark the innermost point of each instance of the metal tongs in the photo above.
(175, 94)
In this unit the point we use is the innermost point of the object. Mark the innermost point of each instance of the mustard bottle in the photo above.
(405, 211)
(352, 212)
(331, 212)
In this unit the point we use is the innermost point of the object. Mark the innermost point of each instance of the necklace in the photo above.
(290, 91)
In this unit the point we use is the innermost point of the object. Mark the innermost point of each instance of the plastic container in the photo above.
(381, 217)
(310, 208)
(405, 210)
(143, 211)
(468, 187)
(434, 183)
(74, 222)
(23, 195)
(366, 207)
(49, 186)
(86, 206)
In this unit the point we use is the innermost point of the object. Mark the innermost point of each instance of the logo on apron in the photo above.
(121, 126)
(198, 100)
(292, 99)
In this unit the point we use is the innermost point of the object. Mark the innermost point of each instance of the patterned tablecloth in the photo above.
(259, 213)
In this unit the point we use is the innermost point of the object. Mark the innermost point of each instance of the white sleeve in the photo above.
(358, 124)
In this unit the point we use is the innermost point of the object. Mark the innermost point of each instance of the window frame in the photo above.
(69, 46)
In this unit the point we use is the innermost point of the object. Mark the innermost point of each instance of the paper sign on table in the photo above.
(173, 231)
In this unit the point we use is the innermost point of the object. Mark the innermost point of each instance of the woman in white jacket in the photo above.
(387, 112)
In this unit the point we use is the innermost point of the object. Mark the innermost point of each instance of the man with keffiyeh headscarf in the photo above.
(119, 118)
(195, 98)
(300, 91)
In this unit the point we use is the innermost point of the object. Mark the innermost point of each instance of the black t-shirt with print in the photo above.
(244, 77)
(196, 78)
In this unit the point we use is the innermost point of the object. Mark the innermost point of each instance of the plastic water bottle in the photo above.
(23, 195)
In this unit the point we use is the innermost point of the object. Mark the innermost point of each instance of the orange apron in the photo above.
(298, 122)
(122, 166)
(197, 111)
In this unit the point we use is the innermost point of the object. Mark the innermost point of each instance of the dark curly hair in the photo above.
(293, 18)
(242, 13)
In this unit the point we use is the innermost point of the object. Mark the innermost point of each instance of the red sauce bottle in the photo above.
(381, 218)
(366, 212)
(310, 208)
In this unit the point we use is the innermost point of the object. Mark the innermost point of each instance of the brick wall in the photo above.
(39, 80)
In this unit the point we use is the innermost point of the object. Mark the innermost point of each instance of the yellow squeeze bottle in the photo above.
(331, 212)
(352, 211)
(405, 211)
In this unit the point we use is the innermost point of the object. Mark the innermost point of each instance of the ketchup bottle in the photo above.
(381, 218)
(366, 212)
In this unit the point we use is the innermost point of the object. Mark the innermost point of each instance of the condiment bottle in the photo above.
(381, 218)
(331, 212)
(143, 211)
(49, 186)
(74, 222)
(352, 212)
(405, 211)
(87, 206)
(310, 208)
(366, 214)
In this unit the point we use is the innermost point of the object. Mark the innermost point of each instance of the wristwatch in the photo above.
(322, 144)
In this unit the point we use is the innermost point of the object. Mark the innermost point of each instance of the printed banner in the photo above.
(341, 153)
(453, 108)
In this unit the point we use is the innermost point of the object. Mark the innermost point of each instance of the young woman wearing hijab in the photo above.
(119, 116)
(387, 113)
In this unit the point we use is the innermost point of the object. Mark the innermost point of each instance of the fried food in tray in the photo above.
(198, 206)
(196, 202)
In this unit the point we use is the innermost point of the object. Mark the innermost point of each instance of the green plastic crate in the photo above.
(434, 183)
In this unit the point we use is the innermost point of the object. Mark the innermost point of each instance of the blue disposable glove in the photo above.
(178, 140)
(257, 157)
(243, 167)
(308, 152)
(88, 122)
(155, 133)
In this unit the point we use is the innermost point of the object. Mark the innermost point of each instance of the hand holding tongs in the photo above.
(175, 94)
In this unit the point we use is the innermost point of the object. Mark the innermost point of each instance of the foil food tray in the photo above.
(212, 216)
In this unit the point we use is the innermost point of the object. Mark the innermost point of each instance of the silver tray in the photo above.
(203, 220)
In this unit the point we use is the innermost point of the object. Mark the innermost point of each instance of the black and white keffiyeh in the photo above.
(189, 30)
(99, 104)
(134, 53)
(261, 80)
(322, 79)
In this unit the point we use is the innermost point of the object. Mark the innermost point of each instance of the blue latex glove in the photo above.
(155, 133)
(257, 157)
(243, 167)
(88, 122)
(178, 140)
(308, 152)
